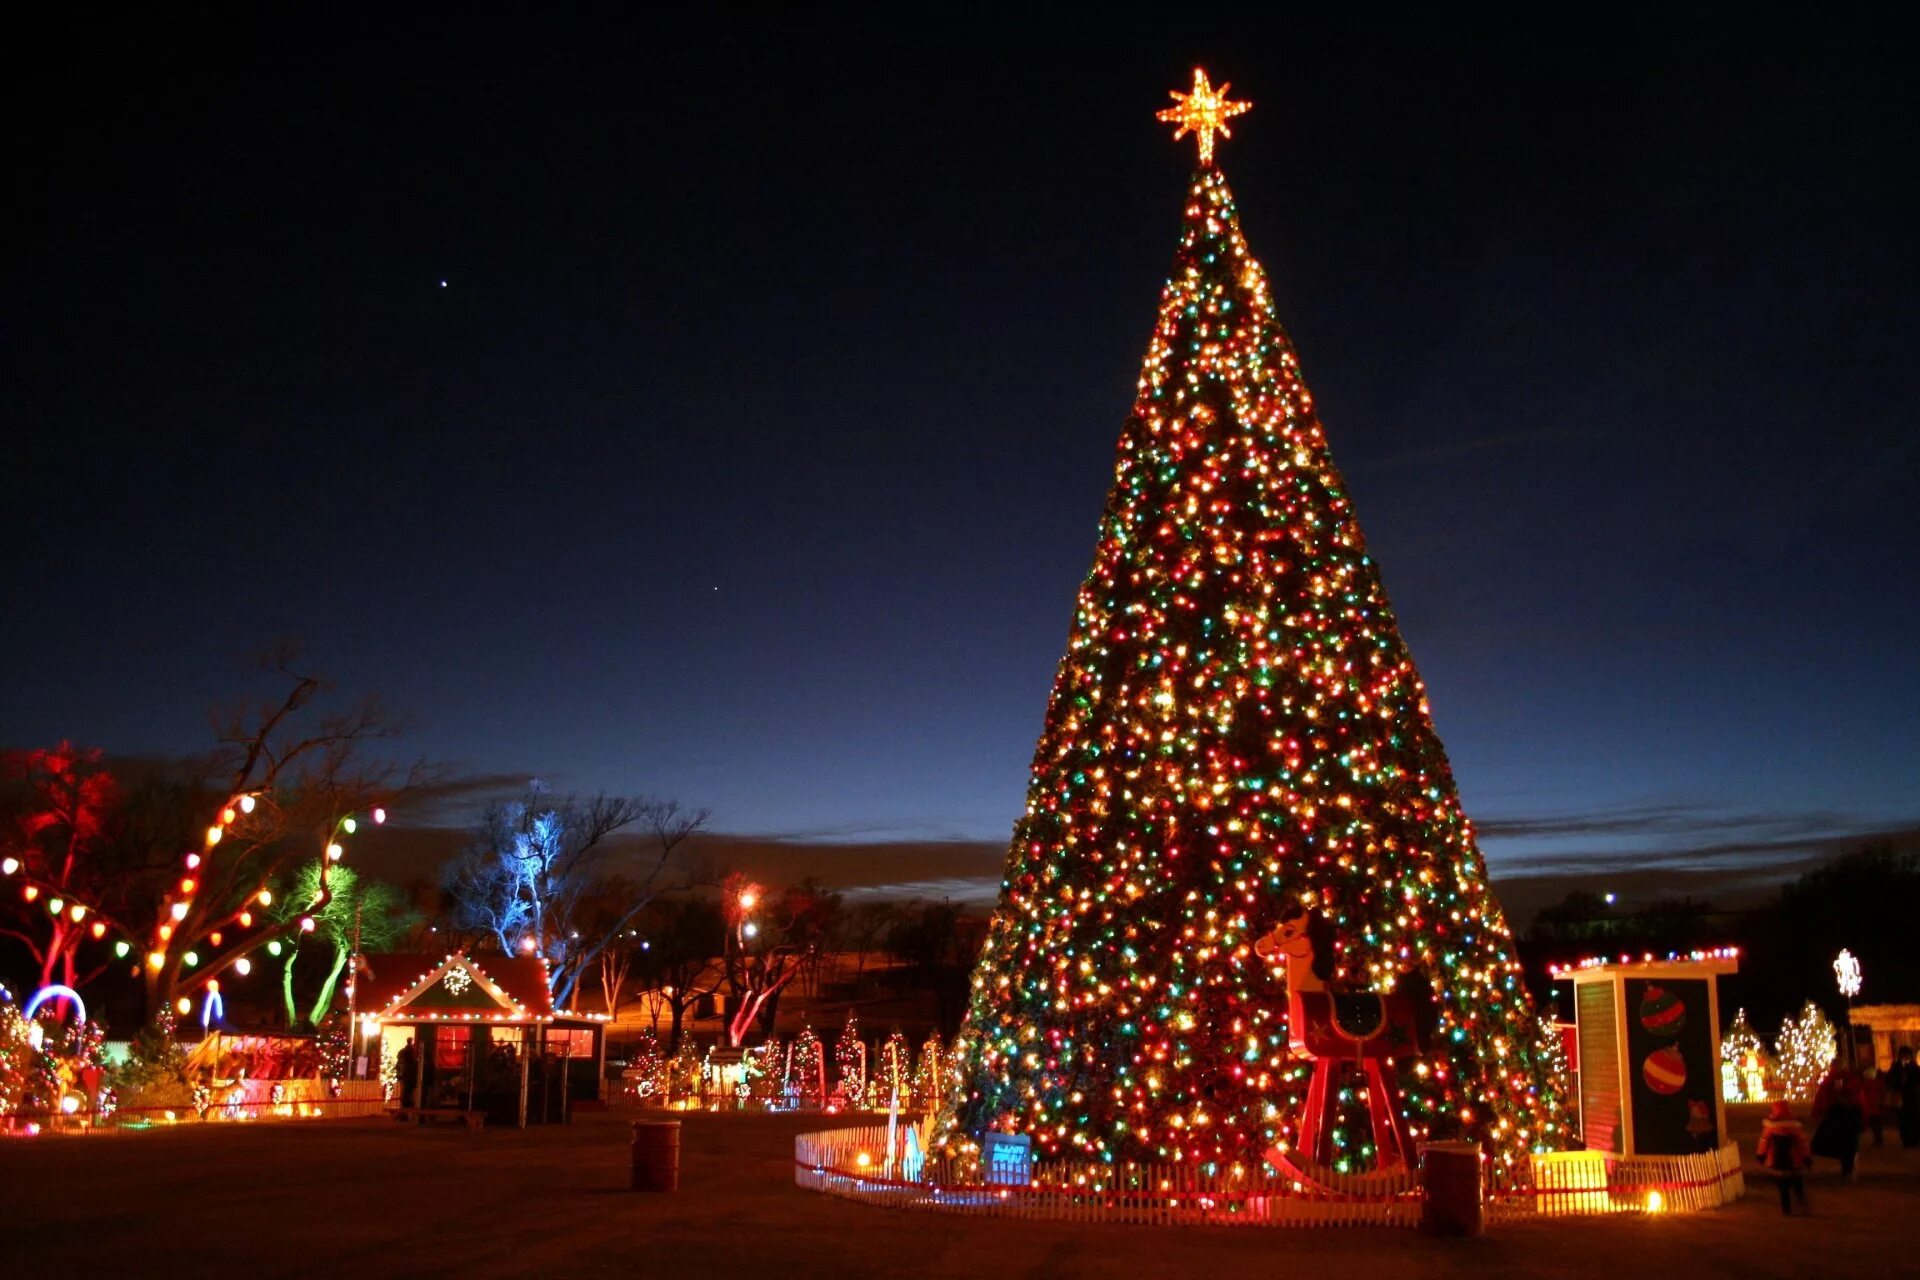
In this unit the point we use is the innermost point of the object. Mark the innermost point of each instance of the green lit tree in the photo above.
(373, 910)
(1236, 731)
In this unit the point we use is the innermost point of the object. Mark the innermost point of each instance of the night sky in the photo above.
(726, 411)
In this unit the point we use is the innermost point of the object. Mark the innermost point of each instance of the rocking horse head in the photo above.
(1301, 934)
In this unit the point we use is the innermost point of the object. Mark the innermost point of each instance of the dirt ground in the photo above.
(372, 1198)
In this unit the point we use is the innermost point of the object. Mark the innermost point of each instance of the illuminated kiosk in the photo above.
(1647, 1076)
(1890, 1028)
(489, 1044)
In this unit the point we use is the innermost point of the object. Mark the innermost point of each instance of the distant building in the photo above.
(1892, 1027)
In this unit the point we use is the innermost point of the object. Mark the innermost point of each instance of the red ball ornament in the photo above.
(1662, 1013)
(1665, 1071)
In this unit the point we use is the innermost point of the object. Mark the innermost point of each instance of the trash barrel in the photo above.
(656, 1155)
(1450, 1175)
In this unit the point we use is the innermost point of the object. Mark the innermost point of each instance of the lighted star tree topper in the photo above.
(1236, 732)
(1202, 113)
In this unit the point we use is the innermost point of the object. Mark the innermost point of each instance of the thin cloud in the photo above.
(1673, 837)
(456, 801)
(1663, 820)
(1460, 448)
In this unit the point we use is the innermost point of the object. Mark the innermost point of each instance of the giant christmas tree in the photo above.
(1236, 732)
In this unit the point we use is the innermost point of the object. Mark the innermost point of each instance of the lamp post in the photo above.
(1846, 972)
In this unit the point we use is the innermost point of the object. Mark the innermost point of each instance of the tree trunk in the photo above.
(286, 989)
(673, 1034)
(325, 999)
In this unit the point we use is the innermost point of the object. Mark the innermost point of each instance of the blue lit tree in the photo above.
(563, 877)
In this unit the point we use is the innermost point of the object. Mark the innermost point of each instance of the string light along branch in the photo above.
(1202, 113)
(331, 852)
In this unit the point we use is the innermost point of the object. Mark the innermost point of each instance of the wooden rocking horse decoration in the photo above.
(1336, 1026)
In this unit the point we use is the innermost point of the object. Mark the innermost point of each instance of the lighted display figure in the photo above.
(1236, 733)
(1846, 972)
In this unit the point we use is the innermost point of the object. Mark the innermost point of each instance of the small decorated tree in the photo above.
(766, 1065)
(1745, 1062)
(17, 1059)
(807, 1068)
(647, 1069)
(154, 1076)
(850, 1060)
(683, 1073)
(336, 1051)
(893, 1074)
(1803, 1051)
(930, 1076)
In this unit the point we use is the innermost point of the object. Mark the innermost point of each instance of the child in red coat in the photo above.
(1783, 1152)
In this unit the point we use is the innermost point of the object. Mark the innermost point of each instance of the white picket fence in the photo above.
(1568, 1183)
(855, 1164)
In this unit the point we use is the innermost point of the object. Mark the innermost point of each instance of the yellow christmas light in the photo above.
(1202, 113)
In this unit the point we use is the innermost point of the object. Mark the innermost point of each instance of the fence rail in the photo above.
(856, 1163)
(1567, 1183)
(352, 1102)
(627, 1095)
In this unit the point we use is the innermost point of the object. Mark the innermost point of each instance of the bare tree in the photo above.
(279, 789)
(295, 770)
(939, 945)
(867, 924)
(538, 865)
(768, 941)
(685, 940)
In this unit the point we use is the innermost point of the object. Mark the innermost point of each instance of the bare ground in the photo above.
(372, 1198)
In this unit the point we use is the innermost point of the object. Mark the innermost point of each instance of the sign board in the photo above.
(1670, 1067)
(1007, 1159)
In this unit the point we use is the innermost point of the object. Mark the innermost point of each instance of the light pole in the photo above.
(1846, 972)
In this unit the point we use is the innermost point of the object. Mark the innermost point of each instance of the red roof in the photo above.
(392, 974)
(523, 978)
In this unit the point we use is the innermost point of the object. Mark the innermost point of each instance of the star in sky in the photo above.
(1202, 113)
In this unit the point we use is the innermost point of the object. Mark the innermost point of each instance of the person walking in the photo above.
(1783, 1153)
(406, 1067)
(1880, 1109)
(1839, 1114)
(1900, 1085)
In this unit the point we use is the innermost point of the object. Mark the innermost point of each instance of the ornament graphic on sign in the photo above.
(1662, 1012)
(1665, 1071)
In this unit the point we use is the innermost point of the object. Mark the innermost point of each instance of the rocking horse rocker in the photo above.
(1334, 1027)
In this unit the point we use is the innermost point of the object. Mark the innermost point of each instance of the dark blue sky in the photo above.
(753, 448)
